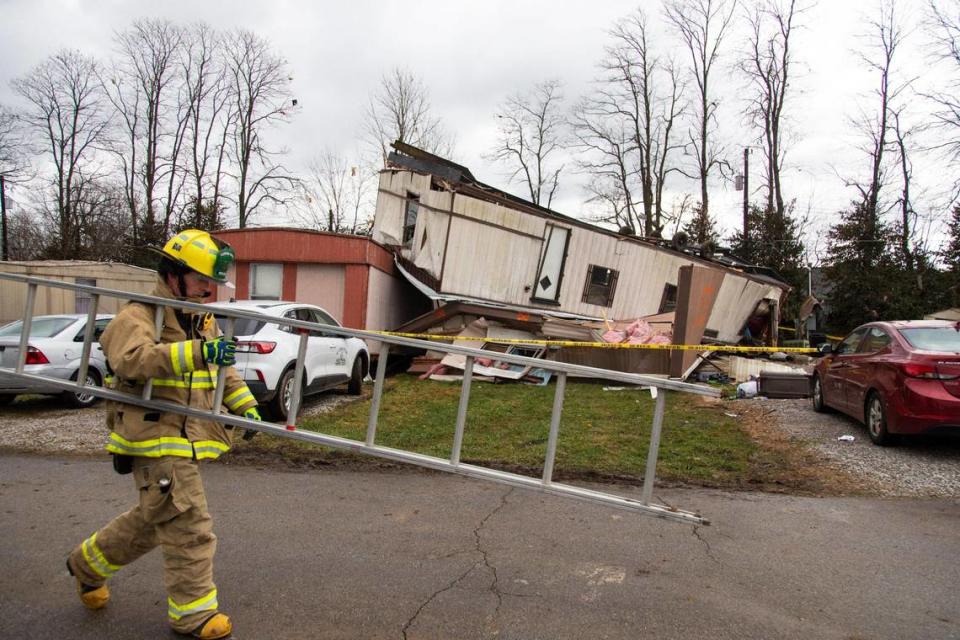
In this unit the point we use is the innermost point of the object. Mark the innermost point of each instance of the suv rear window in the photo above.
(933, 338)
(241, 326)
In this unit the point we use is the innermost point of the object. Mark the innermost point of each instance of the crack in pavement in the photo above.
(486, 563)
(696, 533)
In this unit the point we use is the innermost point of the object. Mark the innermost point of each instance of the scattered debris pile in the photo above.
(497, 337)
(492, 337)
(774, 375)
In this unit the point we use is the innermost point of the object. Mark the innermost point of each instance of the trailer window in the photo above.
(266, 281)
(410, 218)
(601, 285)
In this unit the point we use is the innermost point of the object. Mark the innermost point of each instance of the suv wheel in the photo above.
(280, 404)
(355, 386)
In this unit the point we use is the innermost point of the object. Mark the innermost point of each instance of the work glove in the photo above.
(220, 351)
(251, 414)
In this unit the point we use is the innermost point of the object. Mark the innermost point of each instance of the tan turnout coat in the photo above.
(180, 375)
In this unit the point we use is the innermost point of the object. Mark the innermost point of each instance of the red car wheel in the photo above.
(876, 419)
(818, 404)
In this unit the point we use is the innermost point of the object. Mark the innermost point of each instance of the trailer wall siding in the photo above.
(489, 251)
(392, 204)
(499, 216)
(49, 301)
(642, 274)
(489, 263)
(429, 241)
(737, 299)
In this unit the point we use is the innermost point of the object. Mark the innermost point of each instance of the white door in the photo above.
(547, 287)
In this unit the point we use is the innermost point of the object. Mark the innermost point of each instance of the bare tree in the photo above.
(400, 111)
(209, 122)
(14, 167)
(532, 129)
(145, 89)
(884, 39)
(14, 147)
(68, 112)
(943, 27)
(702, 25)
(626, 126)
(908, 216)
(260, 88)
(859, 260)
(27, 239)
(768, 65)
(105, 220)
(336, 192)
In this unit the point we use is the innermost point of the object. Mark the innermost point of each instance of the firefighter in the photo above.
(163, 450)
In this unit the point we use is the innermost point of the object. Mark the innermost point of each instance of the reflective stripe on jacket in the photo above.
(180, 375)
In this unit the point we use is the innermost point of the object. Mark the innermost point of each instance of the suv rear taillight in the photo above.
(35, 356)
(927, 371)
(256, 347)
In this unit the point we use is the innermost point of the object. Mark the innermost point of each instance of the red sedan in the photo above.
(895, 377)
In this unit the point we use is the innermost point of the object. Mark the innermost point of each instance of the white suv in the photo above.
(267, 353)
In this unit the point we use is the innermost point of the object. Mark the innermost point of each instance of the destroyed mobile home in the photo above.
(478, 252)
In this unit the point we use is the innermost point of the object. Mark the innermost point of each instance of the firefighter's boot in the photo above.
(217, 626)
(93, 597)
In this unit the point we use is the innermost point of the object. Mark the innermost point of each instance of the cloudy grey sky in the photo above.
(472, 55)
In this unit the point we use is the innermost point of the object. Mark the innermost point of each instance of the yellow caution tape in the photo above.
(792, 330)
(603, 345)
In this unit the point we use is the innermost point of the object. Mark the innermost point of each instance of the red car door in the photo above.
(864, 369)
(835, 373)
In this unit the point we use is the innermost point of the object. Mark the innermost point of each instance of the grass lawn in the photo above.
(604, 433)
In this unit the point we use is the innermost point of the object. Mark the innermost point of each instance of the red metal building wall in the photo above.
(292, 247)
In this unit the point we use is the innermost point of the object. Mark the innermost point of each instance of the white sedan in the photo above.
(267, 353)
(53, 350)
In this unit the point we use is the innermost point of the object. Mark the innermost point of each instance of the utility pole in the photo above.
(746, 202)
(4, 255)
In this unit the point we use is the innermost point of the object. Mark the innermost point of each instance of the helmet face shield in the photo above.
(225, 257)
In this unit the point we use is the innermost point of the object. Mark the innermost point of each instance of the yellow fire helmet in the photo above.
(202, 253)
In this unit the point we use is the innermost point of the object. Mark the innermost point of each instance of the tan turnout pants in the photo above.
(172, 514)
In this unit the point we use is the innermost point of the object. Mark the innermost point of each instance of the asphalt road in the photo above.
(419, 555)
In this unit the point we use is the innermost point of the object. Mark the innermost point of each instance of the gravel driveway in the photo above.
(921, 466)
(48, 425)
(928, 466)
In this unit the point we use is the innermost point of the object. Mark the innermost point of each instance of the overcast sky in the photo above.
(471, 55)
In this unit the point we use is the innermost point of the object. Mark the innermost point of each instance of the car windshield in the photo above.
(39, 328)
(933, 338)
(241, 326)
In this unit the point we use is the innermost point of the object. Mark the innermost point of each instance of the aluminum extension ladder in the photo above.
(545, 484)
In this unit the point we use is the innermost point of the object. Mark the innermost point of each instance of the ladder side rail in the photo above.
(554, 428)
(398, 455)
(88, 331)
(377, 393)
(563, 369)
(157, 329)
(297, 380)
(571, 369)
(25, 326)
(654, 450)
(221, 379)
(462, 411)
